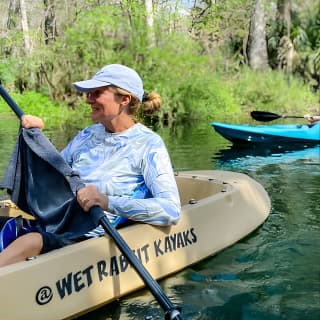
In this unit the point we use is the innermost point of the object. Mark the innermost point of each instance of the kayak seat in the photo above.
(141, 192)
(12, 229)
(121, 222)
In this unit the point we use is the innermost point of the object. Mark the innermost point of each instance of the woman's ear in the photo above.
(125, 100)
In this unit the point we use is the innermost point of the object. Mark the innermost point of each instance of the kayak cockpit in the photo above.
(195, 188)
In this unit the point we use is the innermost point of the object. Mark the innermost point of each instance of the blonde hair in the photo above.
(151, 102)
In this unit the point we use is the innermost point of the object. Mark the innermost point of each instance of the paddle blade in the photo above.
(264, 116)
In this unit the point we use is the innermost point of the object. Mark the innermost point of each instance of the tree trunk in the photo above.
(287, 56)
(149, 21)
(257, 44)
(13, 10)
(50, 27)
(25, 28)
(11, 24)
(284, 12)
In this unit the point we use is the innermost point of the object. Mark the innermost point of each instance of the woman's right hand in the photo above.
(89, 196)
(28, 121)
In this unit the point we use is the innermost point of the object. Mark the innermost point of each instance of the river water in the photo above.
(272, 274)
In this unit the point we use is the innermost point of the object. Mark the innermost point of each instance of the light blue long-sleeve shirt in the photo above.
(119, 163)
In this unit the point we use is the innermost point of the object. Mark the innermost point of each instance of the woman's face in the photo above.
(105, 105)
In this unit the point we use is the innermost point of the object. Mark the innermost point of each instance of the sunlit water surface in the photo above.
(273, 273)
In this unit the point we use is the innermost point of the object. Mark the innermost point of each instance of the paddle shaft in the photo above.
(171, 311)
(297, 117)
(15, 108)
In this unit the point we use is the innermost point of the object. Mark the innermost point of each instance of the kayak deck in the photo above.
(219, 208)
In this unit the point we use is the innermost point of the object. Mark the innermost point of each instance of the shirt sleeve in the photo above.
(163, 208)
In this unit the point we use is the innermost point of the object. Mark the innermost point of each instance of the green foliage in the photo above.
(205, 97)
(88, 45)
(306, 38)
(272, 91)
(222, 23)
(100, 35)
(195, 65)
(183, 77)
(53, 113)
(7, 72)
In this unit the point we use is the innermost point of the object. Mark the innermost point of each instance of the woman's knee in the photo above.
(30, 243)
(23, 247)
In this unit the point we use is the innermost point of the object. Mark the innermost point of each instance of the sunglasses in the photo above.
(96, 93)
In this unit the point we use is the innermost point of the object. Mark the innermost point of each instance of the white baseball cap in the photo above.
(114, 74)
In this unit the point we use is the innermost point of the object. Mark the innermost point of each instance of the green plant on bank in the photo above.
(272, 91)
(207, 97)
(54, 113)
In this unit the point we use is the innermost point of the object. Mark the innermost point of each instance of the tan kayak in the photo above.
(219, 208)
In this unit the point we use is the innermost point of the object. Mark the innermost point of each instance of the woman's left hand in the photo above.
(89, 196)
(29, 121)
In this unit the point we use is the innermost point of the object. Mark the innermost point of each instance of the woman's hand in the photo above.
(311, 118)
(89, 196)
(28, 121)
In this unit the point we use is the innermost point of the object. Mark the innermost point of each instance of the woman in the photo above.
(116, 158)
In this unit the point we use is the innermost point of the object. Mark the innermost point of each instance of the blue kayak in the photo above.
(272, 134)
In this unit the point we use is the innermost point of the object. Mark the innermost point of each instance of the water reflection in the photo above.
(238, 157)
(271, 274)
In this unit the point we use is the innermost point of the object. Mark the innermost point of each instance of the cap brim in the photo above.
(87, 85)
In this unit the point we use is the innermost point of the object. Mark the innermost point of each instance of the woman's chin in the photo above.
(94, 118)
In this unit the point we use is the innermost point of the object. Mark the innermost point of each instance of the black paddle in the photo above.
(269, 116)
(171, 312)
